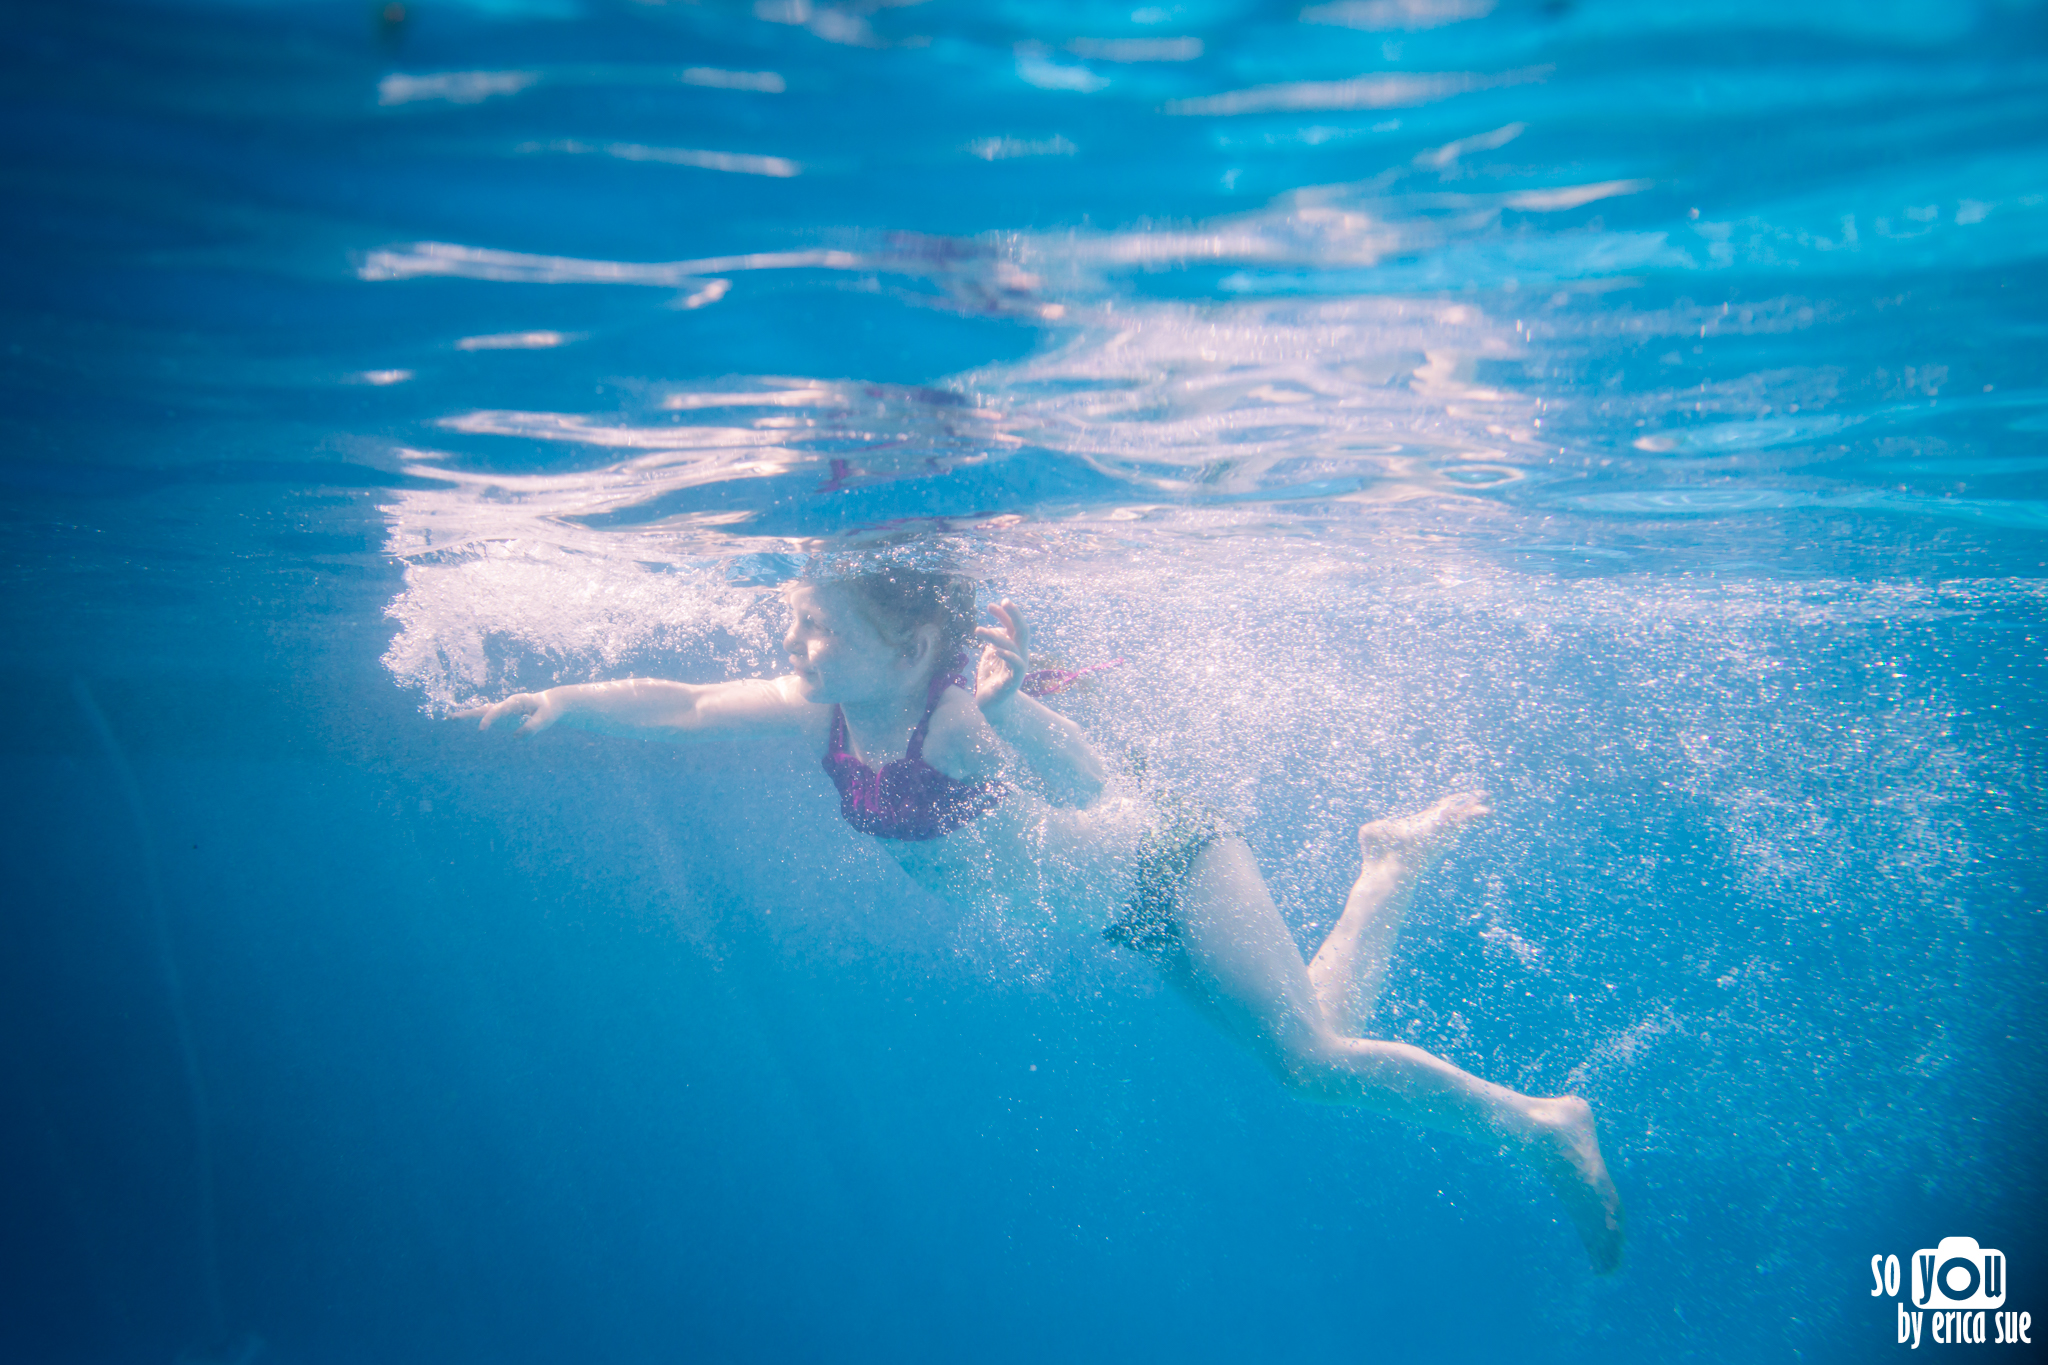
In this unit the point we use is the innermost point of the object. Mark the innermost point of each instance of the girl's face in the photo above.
(838, 655)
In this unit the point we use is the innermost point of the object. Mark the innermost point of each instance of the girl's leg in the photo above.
(1247, 974)
(1351, 966)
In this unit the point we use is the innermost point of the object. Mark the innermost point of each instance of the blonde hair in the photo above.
(898, 602)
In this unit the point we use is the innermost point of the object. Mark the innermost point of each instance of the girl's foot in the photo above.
(1348, 969)
(1424, 836)
(1566, 1150)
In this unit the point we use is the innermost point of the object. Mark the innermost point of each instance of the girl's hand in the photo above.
(541, 710)
(1004, 657)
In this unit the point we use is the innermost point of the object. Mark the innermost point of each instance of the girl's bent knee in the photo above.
(1311, 1070)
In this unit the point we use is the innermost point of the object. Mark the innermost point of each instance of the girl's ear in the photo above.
(923, 644)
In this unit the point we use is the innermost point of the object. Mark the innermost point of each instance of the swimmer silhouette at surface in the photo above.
(984, 794)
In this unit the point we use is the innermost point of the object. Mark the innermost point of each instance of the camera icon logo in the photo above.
(1958, 1274)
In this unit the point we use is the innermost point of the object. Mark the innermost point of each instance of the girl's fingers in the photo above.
(1013, 619)
(1014, 634)
(1014, 615)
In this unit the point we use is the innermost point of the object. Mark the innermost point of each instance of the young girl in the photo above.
(982, 793)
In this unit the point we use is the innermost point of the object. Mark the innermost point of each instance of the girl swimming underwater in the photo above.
(984, 794)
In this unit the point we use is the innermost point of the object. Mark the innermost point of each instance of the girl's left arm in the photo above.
(1057, 749)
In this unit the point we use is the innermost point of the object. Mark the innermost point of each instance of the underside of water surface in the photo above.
(1639, 411)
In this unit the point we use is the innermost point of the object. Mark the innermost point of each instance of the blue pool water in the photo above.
(1639, 409)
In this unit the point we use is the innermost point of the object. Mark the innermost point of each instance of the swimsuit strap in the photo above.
(953, 677)
(940, 682)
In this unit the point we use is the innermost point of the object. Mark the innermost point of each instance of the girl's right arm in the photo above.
(1055, 748)
(672, 710)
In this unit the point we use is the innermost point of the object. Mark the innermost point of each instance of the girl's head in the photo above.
(876, 634)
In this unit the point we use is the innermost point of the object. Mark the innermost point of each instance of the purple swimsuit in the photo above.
(908, 798)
